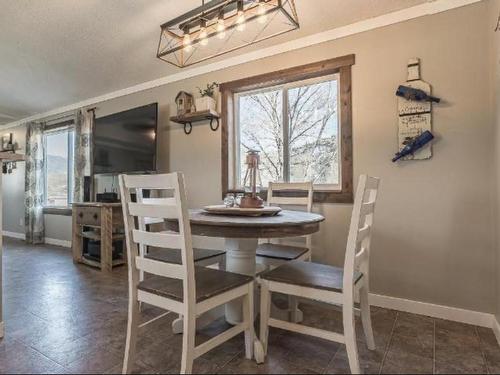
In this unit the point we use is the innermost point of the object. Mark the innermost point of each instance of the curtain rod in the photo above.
(60, 116)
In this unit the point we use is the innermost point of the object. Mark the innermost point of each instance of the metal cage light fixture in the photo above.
(222, 26)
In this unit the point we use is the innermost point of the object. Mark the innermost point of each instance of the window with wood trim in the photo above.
(299, 119)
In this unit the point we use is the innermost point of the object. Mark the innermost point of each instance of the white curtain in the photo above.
(83, 130)
(34, 183)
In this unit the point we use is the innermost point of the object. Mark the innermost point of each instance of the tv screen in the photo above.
(126, 141)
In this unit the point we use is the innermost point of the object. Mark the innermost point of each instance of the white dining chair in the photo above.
(201, 256)
(183, 288)
(271, 253)
(330, 284)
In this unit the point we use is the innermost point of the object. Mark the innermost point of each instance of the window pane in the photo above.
(313, 134)
(57, 160)
(261, 129)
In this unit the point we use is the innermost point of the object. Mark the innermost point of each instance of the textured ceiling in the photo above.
(57, 52)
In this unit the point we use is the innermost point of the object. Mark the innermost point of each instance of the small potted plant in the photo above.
(207, 100)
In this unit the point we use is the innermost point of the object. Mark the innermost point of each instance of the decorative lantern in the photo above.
(252, 182)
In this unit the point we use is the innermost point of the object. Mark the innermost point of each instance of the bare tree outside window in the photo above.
(296, 130)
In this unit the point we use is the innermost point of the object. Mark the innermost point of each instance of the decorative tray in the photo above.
(237, 211)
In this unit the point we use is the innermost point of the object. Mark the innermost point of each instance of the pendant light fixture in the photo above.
(223, 26)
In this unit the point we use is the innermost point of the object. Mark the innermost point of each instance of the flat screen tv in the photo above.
(125, 142)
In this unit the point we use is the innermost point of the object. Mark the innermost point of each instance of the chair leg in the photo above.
(293, 307)
(350, 338)
(366, 318)
(132, 327)
(222, 263)
(188, 343)
(248, 318)
(265, 312)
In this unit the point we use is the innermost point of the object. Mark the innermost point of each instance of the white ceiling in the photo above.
(58, 52)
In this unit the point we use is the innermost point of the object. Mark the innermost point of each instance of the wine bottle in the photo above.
(414, 145)
(410, 93)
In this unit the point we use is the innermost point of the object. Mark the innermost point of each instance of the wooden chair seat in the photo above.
(209, 283)
(281, 252)
(174, 255)
(311, 275)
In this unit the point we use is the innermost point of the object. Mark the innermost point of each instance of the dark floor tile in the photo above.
(272, 365)
(451, 346)
(139, 368)
(455, 327)
(458, 349)
(65, 317)
(383, 321)
(490, 349)
(370, 361)
(304, 351)
(16, 358)
(97, 361)
(464, 366)
(70, 351)
(402, 362)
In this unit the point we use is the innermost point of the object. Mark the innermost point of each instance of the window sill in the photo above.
(63, 211)
(319, 197)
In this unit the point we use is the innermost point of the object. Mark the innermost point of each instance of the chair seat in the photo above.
(209, 283)
(174, 255)
(311, 275)
(283, 252)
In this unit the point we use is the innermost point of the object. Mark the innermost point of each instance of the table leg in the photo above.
(240, 258)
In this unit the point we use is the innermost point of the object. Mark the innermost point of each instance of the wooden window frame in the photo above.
(340, 65)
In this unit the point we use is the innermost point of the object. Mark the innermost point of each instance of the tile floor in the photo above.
(62, 318)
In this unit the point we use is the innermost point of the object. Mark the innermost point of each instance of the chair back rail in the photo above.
(307, 201)
(357, 255)
(138, 238)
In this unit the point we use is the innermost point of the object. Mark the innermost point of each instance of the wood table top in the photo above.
(284, 218)
(286, 224)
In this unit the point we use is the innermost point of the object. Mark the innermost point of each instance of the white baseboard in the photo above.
(19, 236)
(57, 242)
(436, 311)
(496, 329)
(49, 241)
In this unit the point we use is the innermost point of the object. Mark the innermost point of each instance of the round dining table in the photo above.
(242, 233)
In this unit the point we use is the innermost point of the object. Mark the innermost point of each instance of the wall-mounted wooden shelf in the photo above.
(188, 119)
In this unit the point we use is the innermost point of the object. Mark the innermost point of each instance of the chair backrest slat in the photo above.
(363, 233)
(281, 186)
(305, 187)
(136, 214)
(174, 271)
(292, 201)
(160, 201)
(152, 182)
(357, 255)
(153, 210)
(367, 208)
(280, 200)
(158, 239)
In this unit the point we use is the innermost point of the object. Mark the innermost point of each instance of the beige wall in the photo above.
(434, 238)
